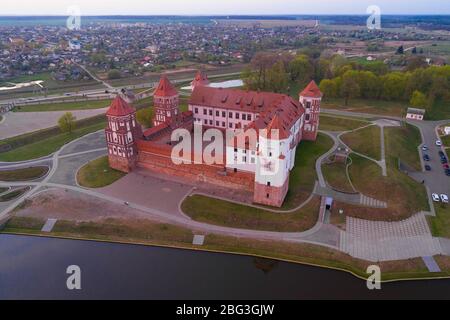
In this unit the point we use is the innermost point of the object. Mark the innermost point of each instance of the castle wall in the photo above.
(158, 158)
(270, 196)
(120, 163)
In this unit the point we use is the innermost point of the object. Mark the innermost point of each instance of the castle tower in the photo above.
(272, 172)
(311, 98)
(121, 135)
(166, 101)
(201, 79)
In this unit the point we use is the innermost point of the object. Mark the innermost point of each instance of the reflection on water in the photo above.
(36, 268)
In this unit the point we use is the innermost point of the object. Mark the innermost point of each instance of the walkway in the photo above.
(386, 241)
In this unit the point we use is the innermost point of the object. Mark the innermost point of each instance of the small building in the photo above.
(447, 131)
(415, 114)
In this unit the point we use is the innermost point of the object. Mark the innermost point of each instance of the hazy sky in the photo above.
(209, 7)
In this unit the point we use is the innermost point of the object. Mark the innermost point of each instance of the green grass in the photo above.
(31, 173)
(402, 143)
(228, 214)
(336, 176)
(366, 141)
(98, 174)
(440, 225)
(330, 123)
(48, 145)
(439, 111)
(66, 106)
(377, 107)
(13, 194)
(304, 176)
(3, 190)
(405, 196)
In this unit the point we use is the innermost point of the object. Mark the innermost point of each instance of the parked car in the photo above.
(439, 143)
(435, 197)
(426, 157)
(445, 166)
(444, 160)
(447, 172)
(441, 154)
(428, 168)
(444, 198)
(425, 148)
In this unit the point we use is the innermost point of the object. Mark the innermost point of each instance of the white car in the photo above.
(444, 198)
(435, 197)
(439, 143)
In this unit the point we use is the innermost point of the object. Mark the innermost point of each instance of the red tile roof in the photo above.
(285, 110)
(311, 91)
(165, 88)
(201, 79)
(119, 107)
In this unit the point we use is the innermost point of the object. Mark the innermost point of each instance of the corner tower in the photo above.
(121, 135)
(166, 101)
(311, 99)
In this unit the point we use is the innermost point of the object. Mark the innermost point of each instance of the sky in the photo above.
(221, 7)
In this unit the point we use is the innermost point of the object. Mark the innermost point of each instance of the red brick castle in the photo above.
(262, 168)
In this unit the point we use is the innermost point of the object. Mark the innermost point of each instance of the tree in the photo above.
(144, 117)
(301, 69)
(414, 50)
(418, 99)
(114, 74)
(328, 88)
(67, 122)
(277, 78)
(350, 87)
(400, 50)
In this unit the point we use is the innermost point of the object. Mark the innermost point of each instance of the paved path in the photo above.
(386, 241)
(18, 123)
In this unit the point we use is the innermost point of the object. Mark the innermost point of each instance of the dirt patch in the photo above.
(74, 206)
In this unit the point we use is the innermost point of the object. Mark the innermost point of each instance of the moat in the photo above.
(35, 268)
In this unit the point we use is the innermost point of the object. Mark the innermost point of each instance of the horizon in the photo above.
(230, 7)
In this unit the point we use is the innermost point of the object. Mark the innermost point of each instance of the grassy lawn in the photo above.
(446, 140)
(440, 225)
(31, 173)
(404, 196)
(304, 176)
(13, 194)
(377, 107)
(402, 143)
(153, 233)
(97, 174)
(67, 106)
(329, 123)
(228, 214)
(336, 176)
(439, 111)
(48, 145)
(366, 141)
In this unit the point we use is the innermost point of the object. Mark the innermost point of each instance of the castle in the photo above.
(245, 165)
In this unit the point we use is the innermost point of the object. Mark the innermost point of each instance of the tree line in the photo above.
(418, 83)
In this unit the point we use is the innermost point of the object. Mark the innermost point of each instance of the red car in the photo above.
(446, 166)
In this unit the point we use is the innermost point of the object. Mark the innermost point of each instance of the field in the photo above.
(48, 145)
(97, 174)
(403, 144)
(336, 176)
(331, 123)
(366, 141)
(376, 107)
(81, 105)
(31, 173)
